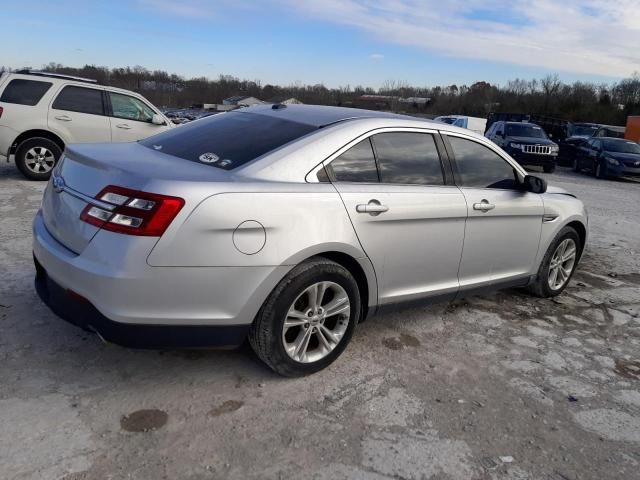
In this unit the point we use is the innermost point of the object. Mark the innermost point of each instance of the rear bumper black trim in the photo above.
(80, 312)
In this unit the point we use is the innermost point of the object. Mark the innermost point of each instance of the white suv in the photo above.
(41, 112)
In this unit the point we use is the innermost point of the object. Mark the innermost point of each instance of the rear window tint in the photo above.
(24, 92)
(79, 99)
(228, 140)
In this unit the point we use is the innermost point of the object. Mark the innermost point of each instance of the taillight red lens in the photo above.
(133, 212)
(1, 111)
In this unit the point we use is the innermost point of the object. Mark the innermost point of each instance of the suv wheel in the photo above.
(308, 320)
(558, 264)
(36, 157)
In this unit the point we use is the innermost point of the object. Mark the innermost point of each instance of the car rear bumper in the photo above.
(110, 288)
(80, 312)
(7, 137)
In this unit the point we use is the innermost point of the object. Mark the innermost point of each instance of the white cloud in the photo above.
(581, 36)
(376, 57)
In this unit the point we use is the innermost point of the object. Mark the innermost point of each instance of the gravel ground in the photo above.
(501, 386)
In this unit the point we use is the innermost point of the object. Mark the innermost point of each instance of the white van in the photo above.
(474, 124)
(41, 112)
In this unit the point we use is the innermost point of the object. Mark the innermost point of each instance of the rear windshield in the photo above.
(448, 120)
(228, 140)
(24, 92)
(583, 130)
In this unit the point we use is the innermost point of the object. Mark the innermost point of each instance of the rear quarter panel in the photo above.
(260, 226)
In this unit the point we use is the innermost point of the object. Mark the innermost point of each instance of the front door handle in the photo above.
(64, 118)
(484, 206)
(373, 208)
(123, 126)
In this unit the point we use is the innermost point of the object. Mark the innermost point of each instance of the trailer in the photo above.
(632, 132)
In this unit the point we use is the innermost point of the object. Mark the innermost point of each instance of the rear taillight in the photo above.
(1, 110)
(132, 212)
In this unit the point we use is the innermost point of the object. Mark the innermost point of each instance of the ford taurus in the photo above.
(289, 226)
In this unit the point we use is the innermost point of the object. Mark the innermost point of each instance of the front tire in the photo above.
(308, 320)
(601, 171)
(558, 264)
(36, 158)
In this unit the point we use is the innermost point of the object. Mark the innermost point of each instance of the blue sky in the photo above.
(335, 42)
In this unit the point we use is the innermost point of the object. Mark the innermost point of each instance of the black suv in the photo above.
(526, 142)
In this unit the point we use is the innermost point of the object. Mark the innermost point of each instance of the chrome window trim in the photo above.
(312, 177)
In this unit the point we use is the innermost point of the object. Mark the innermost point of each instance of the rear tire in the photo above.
(36, 157)
(549, 168)
(541, 287)
(274, 342)
(576, 165)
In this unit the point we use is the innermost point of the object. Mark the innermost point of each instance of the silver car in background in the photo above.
(289, 225)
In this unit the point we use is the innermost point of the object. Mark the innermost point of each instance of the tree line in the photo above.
(577, 101)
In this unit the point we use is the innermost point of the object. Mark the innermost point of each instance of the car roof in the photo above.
(69, 80)
(320, 115)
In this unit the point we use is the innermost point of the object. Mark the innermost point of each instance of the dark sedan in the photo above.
(607, 156)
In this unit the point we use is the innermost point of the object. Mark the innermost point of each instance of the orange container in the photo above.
(632, 132)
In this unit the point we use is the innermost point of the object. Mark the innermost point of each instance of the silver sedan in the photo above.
(289, 225)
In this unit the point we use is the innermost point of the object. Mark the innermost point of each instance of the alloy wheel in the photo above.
(40, 160)
(316, 322)
(562, 262)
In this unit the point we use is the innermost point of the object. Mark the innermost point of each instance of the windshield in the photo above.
(524, 130)
(621, 146)
(583, 131)
(227, 140)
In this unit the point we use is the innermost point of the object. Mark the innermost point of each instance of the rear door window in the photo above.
(24, 92)
(80, 99)
(228, 140)
(408, 158)
(355, 165)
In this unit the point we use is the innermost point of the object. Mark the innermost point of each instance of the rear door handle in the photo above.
(123, 126)
(64, 118)
(484, 206)
(373, 208)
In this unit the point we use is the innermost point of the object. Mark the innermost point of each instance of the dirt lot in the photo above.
(502, 386)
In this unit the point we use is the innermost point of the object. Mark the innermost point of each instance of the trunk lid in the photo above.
(86, 169)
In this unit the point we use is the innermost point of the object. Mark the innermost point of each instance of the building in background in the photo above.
(242, 101)
(285, 100)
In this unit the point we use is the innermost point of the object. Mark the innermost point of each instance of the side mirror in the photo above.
(158, 120)
(534, 184)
